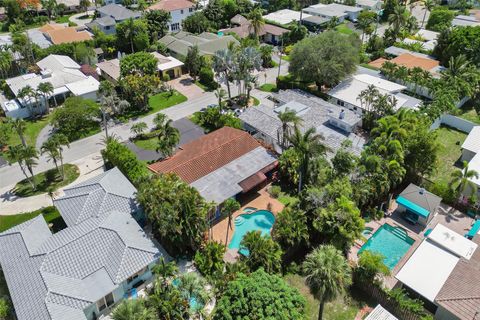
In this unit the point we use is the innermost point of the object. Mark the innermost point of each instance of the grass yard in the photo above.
(31, 133)
(450, 141)
(147, 144)
(256, 102)
(268, 87)
(470, 113)
(50, 214)
(45, 183)
(344, 308)
(343, 28)
(164, 100)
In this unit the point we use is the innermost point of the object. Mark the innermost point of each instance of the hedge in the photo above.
(118, 155)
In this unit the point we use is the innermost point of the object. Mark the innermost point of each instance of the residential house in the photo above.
(372, 5)
(179, 10)
(208, 43)
(334, 10)
(109, 15)
(220, 165)
(66, 78)
(418, 205)
(84, 270)
(471, 153)
(466, 21)
(346, 93)
(444, 272)
(334, 123)
(285, 17)
(59, 33)
(110, 69)
(268, 33)
(380, 313)
(428, 39)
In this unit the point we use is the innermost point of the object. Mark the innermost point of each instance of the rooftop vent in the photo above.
(422, 191)
(46, 73)
(341, 115)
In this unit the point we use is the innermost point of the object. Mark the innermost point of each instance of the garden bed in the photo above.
(48, 181)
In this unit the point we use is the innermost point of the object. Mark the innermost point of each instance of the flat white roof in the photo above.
(474, 164)
(380, 83)
(428, 269)
(166, 63)
(472, 143)
(10, 105)
(285, 16)
(452, 241)
(428, 35)
(380, 313)
(83, 86)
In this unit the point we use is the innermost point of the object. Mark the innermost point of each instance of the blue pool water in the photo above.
(392, 242)
(261, 220)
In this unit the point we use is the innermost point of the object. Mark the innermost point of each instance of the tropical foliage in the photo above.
(118, 155)
(263, 252)
(209, 259)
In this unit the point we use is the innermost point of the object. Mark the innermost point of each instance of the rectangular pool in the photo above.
(391, 242)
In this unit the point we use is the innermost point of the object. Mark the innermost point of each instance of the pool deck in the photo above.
(446, 215)
(259, 199)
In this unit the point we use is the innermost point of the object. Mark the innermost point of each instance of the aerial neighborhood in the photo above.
(239, 159)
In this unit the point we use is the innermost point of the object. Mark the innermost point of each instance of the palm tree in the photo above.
(263, 252)
(462, 179)
(229, 207)
(159, 120)
(138, 128)
(168, 136)
(308, 145)
(429, 5)
(367, 97)
(457, 67)
(26, 93)
(84, 4)
(30, 156)
(53, 147)
(14, 154)
(222, 64)
(255, 18)
(45, 89)
(20, 126)
(133, 309)
(287, 117)
(109, 106)
(192, 286)
(130, 32)
(165, 270)
(50, 6)
(388, 69)
(398, 18)
(328, 274)
(220, 93)
(302, 4)
(6, 60)
(49, 147)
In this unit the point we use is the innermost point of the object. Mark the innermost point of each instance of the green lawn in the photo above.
(147, 144)
(344, 308)
(24, 188)
(50, 214)
(450, 141)
(156, 103)
(256, 102)
(268, 87)
(31, 133)
(343, 28)
(469, 113)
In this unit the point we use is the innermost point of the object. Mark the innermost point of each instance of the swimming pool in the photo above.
(261, 220)
(392, 242)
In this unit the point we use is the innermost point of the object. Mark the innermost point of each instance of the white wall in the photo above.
(454, 122)
(177, 17)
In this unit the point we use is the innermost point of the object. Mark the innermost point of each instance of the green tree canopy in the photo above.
(325, 59)
(132, 35)
(140, 63)
(157, 23)
(440, 19)
(290, 228)
(119, 155)
(370, 266)
(457, 41)
(196, 23)
(261, 294)
(209, 259)
(177, 212)
(263, 252)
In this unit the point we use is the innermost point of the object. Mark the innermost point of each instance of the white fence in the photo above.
(454, 122)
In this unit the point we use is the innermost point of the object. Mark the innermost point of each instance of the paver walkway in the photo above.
(186, 86)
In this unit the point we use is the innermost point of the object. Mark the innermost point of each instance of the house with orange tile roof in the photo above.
(58, 34)
(220, 165)
(178, 9)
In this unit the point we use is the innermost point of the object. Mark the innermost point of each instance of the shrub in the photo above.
(206, 78)
(118, 155)
(440, 19)
(209, 260)
(444, 191)
(275, 191)
(370, 265)
(4, 309)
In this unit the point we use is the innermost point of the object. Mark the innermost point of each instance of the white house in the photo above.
(332, 10)
(285, 16)
(179, 10)
(372, 5)
(347, 92)
(471, 152)
(444, 271)
(66, 78)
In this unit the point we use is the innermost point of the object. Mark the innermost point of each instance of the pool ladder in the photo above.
(239, 221)
(399, 232)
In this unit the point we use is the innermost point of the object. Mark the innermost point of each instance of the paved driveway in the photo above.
(81, 22)
(185, 86)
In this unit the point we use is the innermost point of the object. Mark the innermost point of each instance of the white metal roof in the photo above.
(427, 269)
(166, 63)
(452, 241)
(472, 142)
(428, 35)
(474, 164)
(285, 16)
(85, 86)
(380, 83)
(380, 313)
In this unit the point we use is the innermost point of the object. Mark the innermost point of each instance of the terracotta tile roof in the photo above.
(244, 30)
(171, 5)
(200, 157)
(377, 63)
(67, 35)
(51, 26)
(411, 61)
(460, 294)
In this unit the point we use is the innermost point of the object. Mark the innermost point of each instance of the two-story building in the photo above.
(111, 14)
(178, 9)
(84, 270)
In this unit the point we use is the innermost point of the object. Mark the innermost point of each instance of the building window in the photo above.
(105, 302)
(190, 9)
(175, 26)
(181, 11)
(340, 103)
(107, 27)
(136, 275)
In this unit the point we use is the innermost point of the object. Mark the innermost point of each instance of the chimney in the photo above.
(341, 116)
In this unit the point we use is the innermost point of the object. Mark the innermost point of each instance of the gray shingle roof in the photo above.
(103, 21)
(118, 12)
(421, 197)
(57, 276)
(208, 43)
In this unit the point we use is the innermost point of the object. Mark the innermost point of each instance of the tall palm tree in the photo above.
(133, 309)
(53, 147)
(222, 64)
(398, 18)
(45, 89)
(388, 69)
(429, 5)
(287, 117)
(30, 156)
(6, 60)
(26, 94)
(168, 137)
(49, 147)
(462, 179)
(14, 154)
(255, 18)
(308, 145)
(328, 274)
(229, 207)
(130, 32)
(20, 126)
(302, 4)
(220, 93)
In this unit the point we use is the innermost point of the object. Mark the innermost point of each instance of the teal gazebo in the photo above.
(417, 204)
